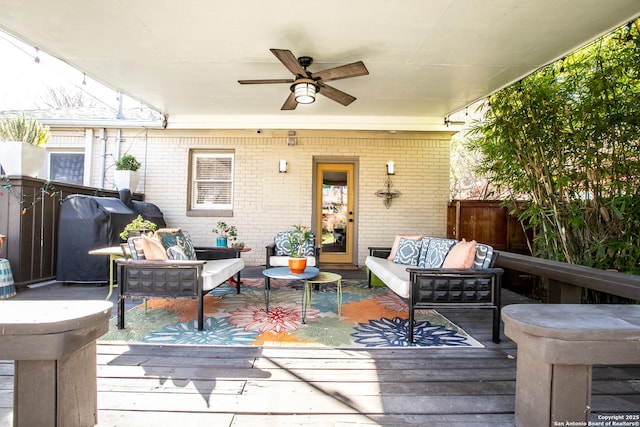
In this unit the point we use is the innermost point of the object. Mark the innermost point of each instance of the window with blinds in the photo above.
(212, 181)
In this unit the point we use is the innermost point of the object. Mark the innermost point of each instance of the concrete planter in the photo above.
(21, 158)
(126, 179)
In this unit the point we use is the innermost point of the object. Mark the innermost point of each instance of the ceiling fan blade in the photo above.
(290, 103)
(337, 95)
(290, 61)
(354, 69)
(265, 81)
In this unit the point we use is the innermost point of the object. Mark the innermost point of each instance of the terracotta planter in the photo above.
(297, 265)
(21, 158)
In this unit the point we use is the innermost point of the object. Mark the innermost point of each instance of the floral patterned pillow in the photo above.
(177, 243)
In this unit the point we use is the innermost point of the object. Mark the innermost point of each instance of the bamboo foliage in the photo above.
(566, 139)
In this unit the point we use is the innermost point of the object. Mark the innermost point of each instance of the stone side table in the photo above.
(557, 346)
(53, 344)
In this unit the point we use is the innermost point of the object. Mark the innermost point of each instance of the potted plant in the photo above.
(137, 227)
(300, 240)
(22, 150)
(126, 174)
(226, 233)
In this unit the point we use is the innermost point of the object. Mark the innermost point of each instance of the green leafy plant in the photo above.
(300, 237)
(225, 230)
(21, 128)
(566, 140)
(137, 224)
(127, 163)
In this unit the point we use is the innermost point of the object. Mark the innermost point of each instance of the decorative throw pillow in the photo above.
(153, 248)
(308, 248)
(177, 244)
(461, 255)
(484, 253)
(396, 242)
(424, 248)
(408, 252)
(282, 246)
(135, 247)
(437, 252)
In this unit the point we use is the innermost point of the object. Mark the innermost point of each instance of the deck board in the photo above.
(142, 385)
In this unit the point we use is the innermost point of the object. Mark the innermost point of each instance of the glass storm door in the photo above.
(335, 211)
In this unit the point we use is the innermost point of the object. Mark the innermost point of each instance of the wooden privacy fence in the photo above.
(486, 221)
(489, 222)
(29, 213)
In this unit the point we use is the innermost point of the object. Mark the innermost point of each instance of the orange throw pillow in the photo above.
(461, 255)
(153, 249)
(396, 243)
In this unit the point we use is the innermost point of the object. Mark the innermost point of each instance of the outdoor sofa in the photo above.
(431, 273)
(165, 266)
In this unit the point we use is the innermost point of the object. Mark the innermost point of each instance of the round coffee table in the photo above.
(324, 277)
(285, 274)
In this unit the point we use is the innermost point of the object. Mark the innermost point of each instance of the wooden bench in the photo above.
(53, 344)
(557, 346)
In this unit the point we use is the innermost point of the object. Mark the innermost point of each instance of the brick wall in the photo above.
(266, 201)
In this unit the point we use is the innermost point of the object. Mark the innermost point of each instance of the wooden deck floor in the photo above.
(144, 385)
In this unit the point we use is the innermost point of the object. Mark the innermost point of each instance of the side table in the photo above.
(53, 345)
(285, 274)
(114, 252)
(324, 277)
(7, 286)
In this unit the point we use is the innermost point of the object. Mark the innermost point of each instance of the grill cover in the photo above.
(90, 222)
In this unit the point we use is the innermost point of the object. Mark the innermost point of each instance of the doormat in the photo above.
(369, 317)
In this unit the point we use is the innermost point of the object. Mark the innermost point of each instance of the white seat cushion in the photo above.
(395, 276)
(216, 272)
(283, 261)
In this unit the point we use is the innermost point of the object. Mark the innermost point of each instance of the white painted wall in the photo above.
(267, 201)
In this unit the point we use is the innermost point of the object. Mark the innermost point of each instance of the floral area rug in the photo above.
(370, 317)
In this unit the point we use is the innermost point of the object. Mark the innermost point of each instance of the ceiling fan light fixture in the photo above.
(305, 91)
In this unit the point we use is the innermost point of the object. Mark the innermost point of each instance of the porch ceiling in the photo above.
(426, 58)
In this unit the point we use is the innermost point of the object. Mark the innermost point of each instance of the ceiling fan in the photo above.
(306, 84)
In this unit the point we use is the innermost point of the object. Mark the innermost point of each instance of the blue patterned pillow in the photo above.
(436, 253)
(283, 247)
(408, 252)
(484, 253)
(282, 243)
(177, 244)
(308, 248)
(423, 251)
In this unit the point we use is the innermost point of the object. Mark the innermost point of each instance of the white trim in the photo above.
(310, 122)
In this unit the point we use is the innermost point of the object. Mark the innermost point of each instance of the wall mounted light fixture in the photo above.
(388, 194)
(282, 167)
(391, 168)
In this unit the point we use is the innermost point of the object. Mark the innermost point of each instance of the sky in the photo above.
(23, 80)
